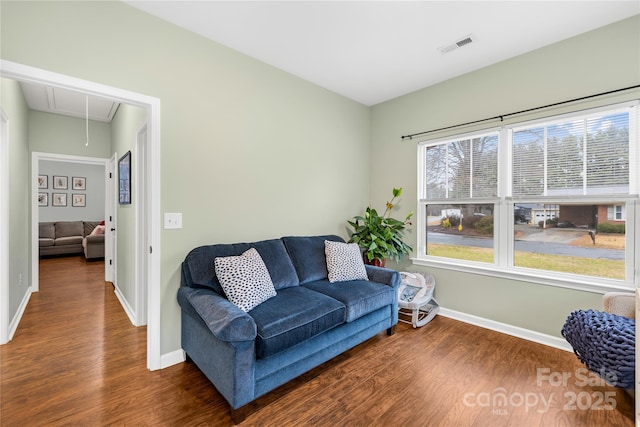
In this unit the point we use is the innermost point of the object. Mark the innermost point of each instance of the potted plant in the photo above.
(380, 236)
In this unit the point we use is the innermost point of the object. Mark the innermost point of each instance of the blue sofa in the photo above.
(309, 321)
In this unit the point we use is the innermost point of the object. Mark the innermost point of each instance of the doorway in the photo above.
(151, 263)
(37, 160)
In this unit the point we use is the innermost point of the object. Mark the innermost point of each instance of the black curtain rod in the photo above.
(502, 116)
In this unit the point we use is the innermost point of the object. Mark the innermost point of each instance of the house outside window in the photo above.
(551, 200)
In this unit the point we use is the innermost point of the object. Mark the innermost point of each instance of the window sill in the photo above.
(561, 280)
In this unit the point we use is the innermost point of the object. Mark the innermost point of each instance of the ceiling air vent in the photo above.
(466, 40)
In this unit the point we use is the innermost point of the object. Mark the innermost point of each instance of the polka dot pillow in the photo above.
(344, 262)
(245, 279)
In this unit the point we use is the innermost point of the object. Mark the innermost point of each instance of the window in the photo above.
(553, 200)
(615, 213)
(461, 170)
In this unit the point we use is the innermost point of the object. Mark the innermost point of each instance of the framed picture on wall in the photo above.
(59, 199)
(124, 179)
(78, 200)
(60, 182)
(78, 183)
(43, 181)
(43, 199)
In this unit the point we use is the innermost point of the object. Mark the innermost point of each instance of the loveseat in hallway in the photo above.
(309, 319)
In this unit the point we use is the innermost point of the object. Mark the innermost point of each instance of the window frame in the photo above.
(503, 266)
(614, 210)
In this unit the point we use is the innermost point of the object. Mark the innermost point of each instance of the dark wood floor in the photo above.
(77, 360)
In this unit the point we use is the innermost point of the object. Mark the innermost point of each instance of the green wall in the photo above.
(54, 133)
(248, 152)
(602, 60)
(124, 128)
(17, 113)
(93, 209)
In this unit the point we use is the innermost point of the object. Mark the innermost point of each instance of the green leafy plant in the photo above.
(484, 225)
(611, 228)
(380, 236)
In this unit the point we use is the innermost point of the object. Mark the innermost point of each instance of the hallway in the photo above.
(76, 359)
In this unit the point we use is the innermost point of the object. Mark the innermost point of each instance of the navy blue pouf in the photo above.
(605, 343)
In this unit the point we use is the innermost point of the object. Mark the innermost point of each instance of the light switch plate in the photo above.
(172, 220)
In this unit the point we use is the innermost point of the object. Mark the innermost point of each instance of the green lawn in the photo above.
(567, 264)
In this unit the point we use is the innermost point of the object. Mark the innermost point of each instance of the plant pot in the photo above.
(374, 262)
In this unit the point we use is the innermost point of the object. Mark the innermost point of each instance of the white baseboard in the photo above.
(166, 360)
(505, 328)
(173, 358)
(125, 305)
(13, 325)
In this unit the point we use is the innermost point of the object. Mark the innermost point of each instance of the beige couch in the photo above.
(71, 237)
(620, 303)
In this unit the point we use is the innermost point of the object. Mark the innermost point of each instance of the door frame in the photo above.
(4, 227)
(110, 220)
(142, 216)
(25, 73)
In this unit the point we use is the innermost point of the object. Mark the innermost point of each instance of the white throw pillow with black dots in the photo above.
(344, 261)
(245, 279)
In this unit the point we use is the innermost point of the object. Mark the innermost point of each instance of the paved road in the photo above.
(530, 246)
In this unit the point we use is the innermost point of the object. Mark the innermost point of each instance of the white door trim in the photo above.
(142, 219)
(4, 227)
(15, 71)
(110, 221)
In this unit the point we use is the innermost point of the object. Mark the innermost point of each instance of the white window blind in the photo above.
(607, 154)
(462, 169)
(577, 157)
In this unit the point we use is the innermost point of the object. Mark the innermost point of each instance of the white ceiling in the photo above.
(68, 102)
(372, 51)
(369, 51)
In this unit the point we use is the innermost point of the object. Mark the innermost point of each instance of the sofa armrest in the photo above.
(620, 303)
(383, 275)
(95, 238)
(224, 319)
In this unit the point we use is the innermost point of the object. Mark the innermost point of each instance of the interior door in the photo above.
(110, 223)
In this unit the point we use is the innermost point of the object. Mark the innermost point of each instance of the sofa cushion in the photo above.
(71, 240)
(359, 296)
(201, 271)
(344, 262)
(200, 267)
(294, 315)
(308, 257)
(47, 230)
(245, 279)
(277, 260)
(45, 242)
(69, 228)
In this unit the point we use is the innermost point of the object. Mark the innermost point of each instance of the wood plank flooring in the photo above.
(77, 360)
